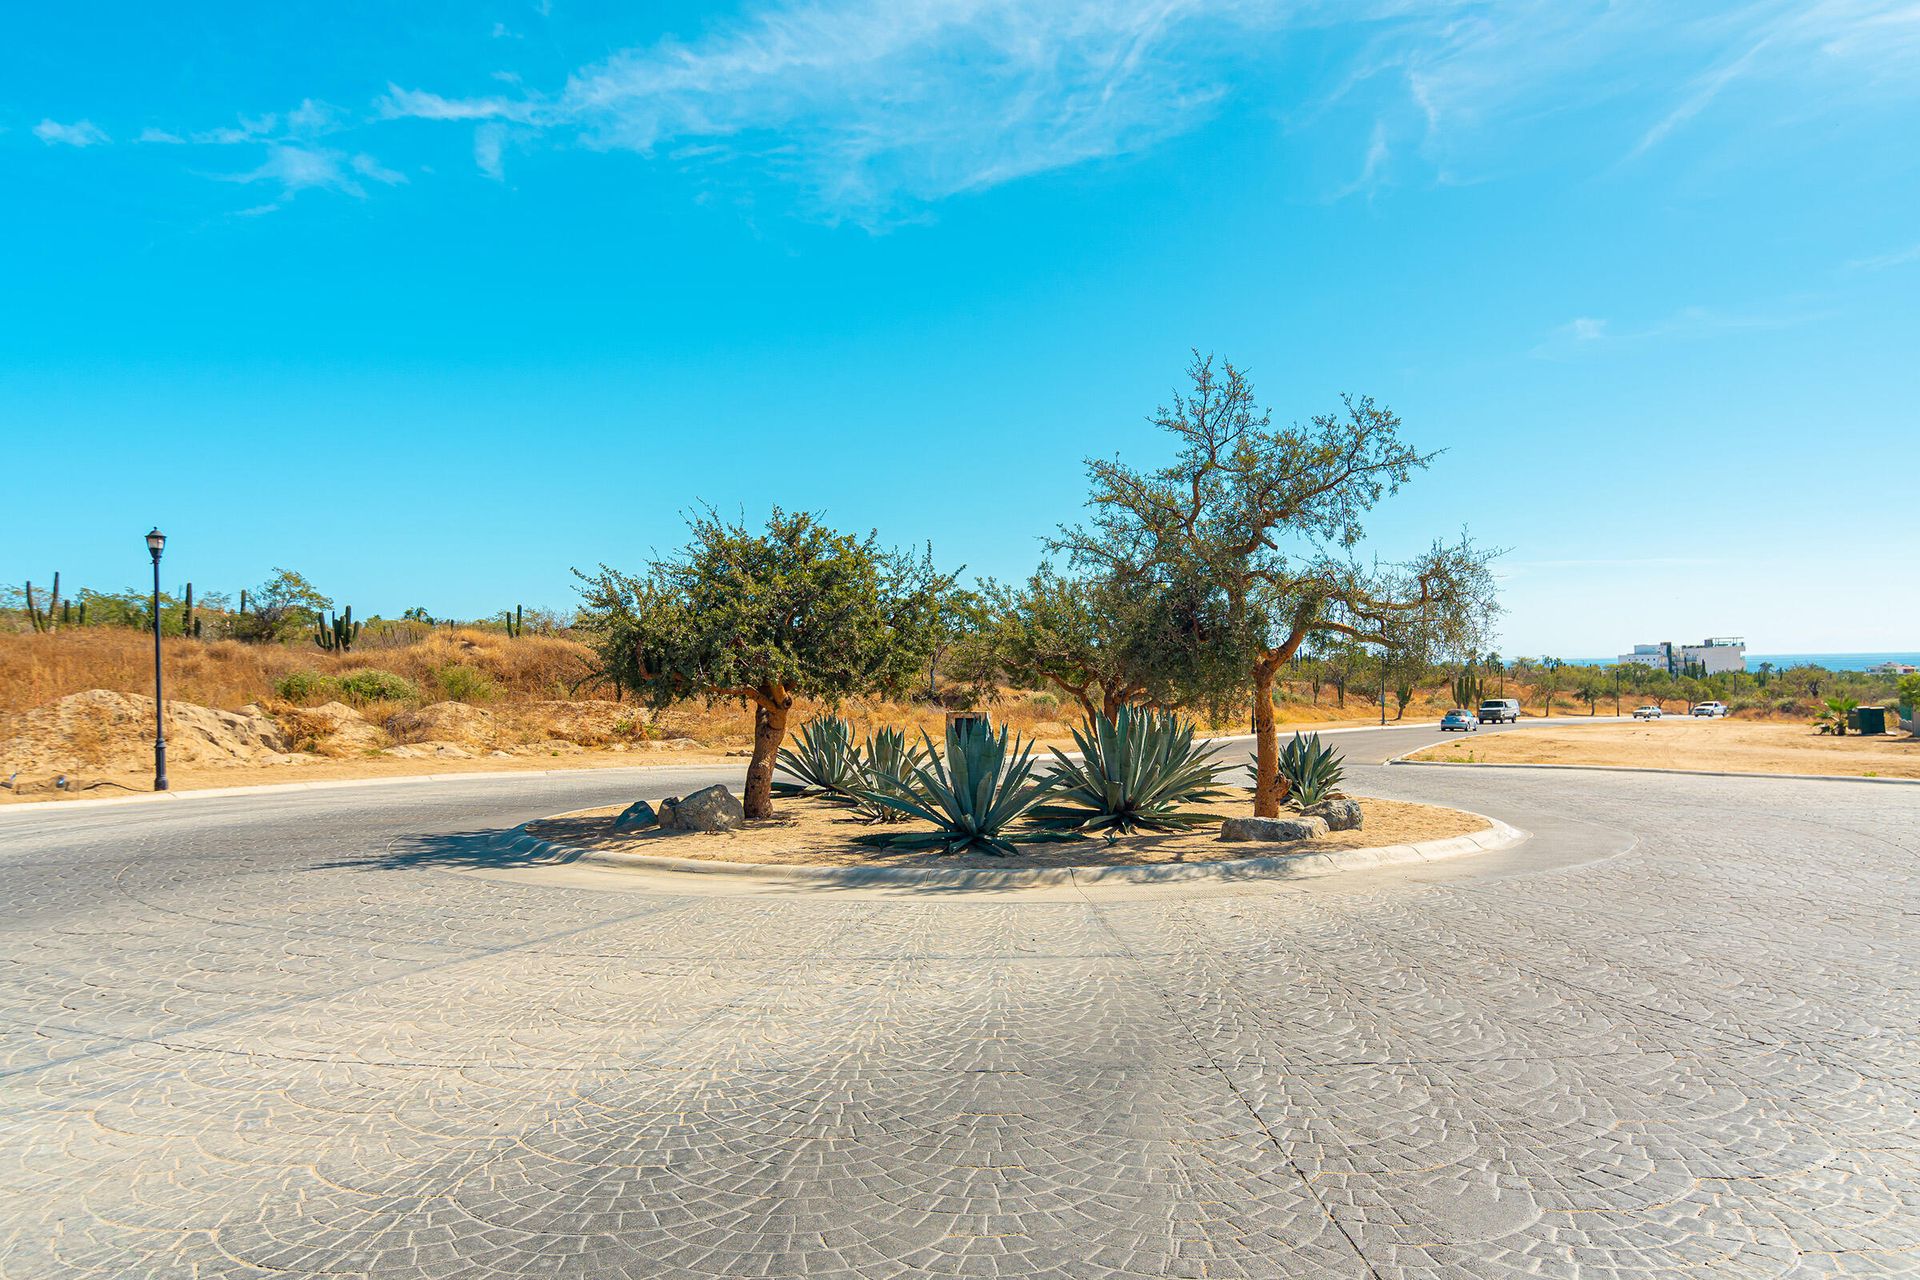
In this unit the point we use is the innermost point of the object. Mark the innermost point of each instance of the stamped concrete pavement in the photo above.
(328, 1034)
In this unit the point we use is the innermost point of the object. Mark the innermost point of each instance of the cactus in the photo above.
(50, 620)
(515, 627)
(337, 636)
(1467, 690)
(243, 602)
(189, 625)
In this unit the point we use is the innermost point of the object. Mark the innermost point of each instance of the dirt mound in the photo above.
(331, 729)
(452, 723)
(100, 729)
(590, 723)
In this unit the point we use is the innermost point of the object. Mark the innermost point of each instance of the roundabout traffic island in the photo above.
(814, 839)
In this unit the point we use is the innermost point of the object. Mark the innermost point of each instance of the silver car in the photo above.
(1460, 719)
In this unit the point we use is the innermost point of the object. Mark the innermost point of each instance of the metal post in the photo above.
(154, 544)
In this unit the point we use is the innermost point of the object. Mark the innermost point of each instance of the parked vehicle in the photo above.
(1710, 709)
(1647, 713)
(1462, 719)
(1500, 711)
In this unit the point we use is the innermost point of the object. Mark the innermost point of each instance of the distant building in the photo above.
(1713, 655)
(1896, 669)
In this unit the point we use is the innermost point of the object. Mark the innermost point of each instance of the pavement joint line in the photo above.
(1629, 768)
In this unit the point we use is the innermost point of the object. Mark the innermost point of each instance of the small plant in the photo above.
(1835, 719)
(460, 683)
(372, 685)
(304, 686)
(824, 758)
(1310, 769)
(885, 756)
(1136, 769)
(338, 635)
(972, 794)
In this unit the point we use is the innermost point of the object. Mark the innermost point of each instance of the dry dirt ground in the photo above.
(1734, 746)
(808, 831)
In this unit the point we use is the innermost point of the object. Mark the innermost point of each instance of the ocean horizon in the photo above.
(1781, 661)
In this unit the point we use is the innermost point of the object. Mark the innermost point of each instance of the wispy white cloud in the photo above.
(81, 133)
(400, 104)
(1880, 262)
(1589, 333)
(295, 169)
(488, 142)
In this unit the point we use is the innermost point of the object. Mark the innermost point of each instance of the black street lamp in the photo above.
(156, 543)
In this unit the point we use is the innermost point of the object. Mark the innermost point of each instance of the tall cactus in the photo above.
(50, 620)
(1467, 690)
(189, 625)
(337, 636)
(515, 627)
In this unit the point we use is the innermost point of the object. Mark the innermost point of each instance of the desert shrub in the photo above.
(305, 686)
(461, 683)
(1044, 704)
(370, 684)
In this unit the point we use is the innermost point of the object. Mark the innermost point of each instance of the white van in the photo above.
(1500, 711)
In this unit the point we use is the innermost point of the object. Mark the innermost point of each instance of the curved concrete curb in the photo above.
(1293, 866)
(1628, 768)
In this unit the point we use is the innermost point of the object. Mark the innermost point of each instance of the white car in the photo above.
(1647, 713)
(1500, 711)
(1709, 710)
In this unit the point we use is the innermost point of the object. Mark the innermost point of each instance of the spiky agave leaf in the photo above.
(824, 758)
(1310, 769)
(1135, 770)
(885, 756)
(972, 794)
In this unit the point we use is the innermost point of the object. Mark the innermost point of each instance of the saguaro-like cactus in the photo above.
(49, 620)
(515, 627)
(338, 635)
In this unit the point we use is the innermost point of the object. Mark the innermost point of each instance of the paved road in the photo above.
(325, 1034)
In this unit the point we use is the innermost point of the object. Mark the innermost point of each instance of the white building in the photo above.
(1714, 655)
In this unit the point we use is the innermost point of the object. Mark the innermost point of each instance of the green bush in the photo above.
(305, 686)
(460, 683)
(373, 685)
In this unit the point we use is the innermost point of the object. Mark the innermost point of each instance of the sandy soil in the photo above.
(1732, 745)
(813, 832)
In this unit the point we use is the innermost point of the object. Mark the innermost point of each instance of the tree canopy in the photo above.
(798, 609)
(1271, 520)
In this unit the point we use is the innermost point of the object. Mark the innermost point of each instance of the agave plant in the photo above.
(824, 758)
(885, 756)
(1310, 769)
(972, 794)
(1135, 770)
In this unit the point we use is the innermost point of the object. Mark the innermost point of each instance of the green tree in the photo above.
(284, 606)
(1267, 522)
(1592, 685)
(765, 618)
(1549, 681)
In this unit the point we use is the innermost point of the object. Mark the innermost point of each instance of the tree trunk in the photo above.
(769, 731)
(1268, 790)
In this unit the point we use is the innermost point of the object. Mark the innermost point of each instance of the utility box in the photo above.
(1873, 720)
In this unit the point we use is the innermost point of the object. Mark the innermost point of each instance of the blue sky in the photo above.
(434, 301)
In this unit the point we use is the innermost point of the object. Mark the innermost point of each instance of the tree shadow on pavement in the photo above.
(494, 849)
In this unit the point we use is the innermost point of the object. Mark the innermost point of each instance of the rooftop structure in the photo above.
(1712, 655)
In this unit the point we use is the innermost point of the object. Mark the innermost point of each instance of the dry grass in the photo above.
(808, 831)
(1736, 746)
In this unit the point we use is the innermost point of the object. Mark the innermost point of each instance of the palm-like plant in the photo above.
(1310, 769)
(972, 794)
(885, 756)
(1835, 721)
(1136, 769)
(824, 758)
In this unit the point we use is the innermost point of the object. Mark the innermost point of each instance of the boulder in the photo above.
(635, 816)
(710, 809)
(1273, 830)
(1340, 815)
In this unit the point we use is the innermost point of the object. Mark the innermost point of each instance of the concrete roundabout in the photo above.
(354, 1033)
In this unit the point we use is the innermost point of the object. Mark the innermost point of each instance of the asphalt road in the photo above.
(329, 1033)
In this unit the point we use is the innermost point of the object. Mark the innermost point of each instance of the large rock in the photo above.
(1273, 830)
(636, 816)
(709, 809)
(1340, 815)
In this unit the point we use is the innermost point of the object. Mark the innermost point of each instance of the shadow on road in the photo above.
(492, 849)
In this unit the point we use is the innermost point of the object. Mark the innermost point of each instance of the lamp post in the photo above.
(156, 543)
